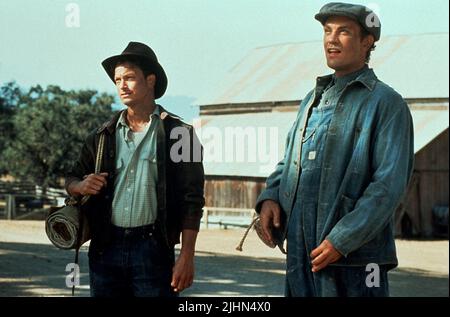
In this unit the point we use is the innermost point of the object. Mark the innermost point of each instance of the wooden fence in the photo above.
(15, 196)
(223, 211)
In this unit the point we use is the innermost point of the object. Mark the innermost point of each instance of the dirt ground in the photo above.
(31, 266)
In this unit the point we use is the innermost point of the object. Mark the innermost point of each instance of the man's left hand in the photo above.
(183, 273)
(324, 255)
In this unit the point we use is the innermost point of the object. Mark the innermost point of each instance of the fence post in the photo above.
(10, 207)
(206, 211)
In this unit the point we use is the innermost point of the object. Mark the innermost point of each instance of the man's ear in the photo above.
(151, 81)
(368, 41)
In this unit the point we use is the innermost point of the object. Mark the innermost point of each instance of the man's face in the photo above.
(132, 87)
(345, 49)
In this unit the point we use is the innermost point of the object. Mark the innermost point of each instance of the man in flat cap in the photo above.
(145, 195)
(348, 160)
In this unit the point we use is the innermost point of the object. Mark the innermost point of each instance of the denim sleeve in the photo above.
(273, 181)
(392, 164)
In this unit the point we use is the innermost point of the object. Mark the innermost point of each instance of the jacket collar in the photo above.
(110, 125)
(367, 78)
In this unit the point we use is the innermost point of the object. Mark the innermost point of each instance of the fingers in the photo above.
(324, 255)
(270, 216)
(184, 283)
(92, 189)
(317, 251)
(266, 218)
(93, 183)
(181, 282)
(276, 215)
(175, 281)
(319, 259)
(321, 265)
(323, 260)
(182, 273)
(99, 178)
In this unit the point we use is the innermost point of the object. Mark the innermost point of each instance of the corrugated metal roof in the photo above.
(417, 66)
(218, 131)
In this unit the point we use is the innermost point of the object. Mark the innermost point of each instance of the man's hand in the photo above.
(183, 273)
(90, 185)
(270, 217)
(324, 255)
(183, 270)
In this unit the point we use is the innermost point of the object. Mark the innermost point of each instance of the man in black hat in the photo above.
(348, 160)
(146, 194)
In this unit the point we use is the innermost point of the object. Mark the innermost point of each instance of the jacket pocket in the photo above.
(346, 205)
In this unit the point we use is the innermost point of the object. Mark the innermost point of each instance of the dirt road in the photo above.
(31, 266)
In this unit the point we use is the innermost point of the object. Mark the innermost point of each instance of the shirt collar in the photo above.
(341, 82)
(366, 77)
(122, 122)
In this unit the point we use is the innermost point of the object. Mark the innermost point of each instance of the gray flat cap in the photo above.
(361, 14)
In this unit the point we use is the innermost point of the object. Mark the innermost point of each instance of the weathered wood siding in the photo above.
(432, 167)
(232, 192)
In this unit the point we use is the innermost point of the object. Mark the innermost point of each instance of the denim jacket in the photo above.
(368, 161)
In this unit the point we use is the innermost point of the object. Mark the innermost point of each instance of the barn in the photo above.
(244, 122)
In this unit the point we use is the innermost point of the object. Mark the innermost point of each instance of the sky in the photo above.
(197, 41)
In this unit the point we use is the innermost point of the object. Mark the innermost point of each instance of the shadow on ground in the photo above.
(417, 283)
(39, 270)
(227, 275)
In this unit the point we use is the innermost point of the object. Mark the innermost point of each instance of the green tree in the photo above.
(50, 125)
(9, 97)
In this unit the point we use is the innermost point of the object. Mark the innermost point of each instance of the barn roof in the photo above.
(416, 65)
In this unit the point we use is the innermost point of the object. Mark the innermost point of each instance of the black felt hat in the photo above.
(146, 56)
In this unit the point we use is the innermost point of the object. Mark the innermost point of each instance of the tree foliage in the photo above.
(9, 96)
(46, 129)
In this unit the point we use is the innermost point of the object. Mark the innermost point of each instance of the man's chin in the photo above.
(333, 65)
(127, 101)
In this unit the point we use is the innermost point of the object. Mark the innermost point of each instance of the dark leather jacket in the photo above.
(180, 184)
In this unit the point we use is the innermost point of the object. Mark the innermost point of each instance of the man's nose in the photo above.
(122, 84)
(332, 37)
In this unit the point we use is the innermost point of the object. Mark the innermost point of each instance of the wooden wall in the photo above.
(232, 192)
(432, 186)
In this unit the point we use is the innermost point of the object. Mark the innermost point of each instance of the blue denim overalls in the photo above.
(301, 233)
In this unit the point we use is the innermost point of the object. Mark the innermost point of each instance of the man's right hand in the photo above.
(91, 185)
(269, 217)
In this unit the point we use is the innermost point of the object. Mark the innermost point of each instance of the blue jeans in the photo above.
(135, 264)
